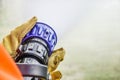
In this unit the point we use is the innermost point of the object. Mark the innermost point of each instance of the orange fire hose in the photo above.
(8, 68)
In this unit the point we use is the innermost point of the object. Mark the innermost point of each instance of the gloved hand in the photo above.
(54, 60)
(12, 41)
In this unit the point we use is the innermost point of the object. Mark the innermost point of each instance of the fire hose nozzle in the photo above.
(34, 51)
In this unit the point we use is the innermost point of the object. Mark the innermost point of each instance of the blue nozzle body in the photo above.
(44, 32)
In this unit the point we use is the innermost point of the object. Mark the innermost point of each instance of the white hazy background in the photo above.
(89, 31)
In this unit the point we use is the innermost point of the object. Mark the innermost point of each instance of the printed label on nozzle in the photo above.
(44, 32)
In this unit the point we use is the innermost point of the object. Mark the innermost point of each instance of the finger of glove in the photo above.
(23, 29)
(56, 75)
(54, 60)
(13, 40)
(10, 43)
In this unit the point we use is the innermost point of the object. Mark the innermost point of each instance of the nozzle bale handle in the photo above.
(40, 71)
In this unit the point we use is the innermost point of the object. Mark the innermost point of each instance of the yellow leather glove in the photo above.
(56, 75)
(12, 41)
(54, 60)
